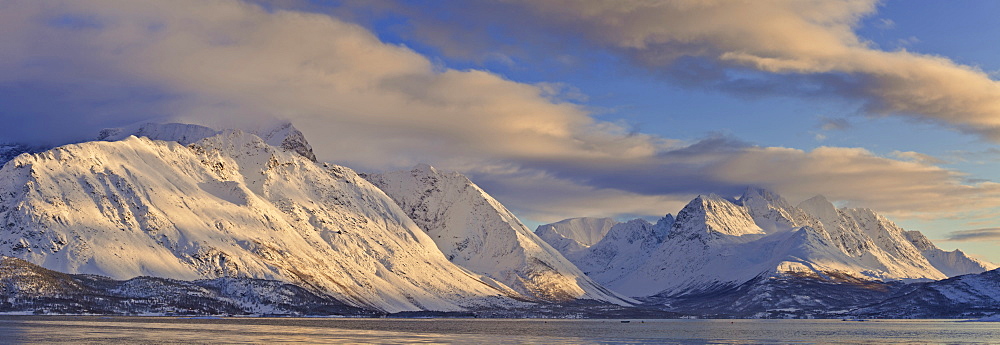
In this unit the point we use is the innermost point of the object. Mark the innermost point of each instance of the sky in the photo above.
(558, 108)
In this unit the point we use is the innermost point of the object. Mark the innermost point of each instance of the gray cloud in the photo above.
(834, 124)
(987, 234)
(860, 178)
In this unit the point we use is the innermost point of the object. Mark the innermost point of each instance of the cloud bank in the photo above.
(68, 68)
(780, 47)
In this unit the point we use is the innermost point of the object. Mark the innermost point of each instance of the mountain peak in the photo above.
(772, 212)
(425, 169)
(821, 208)
(289, 138)
(756, 196)
(715, 216)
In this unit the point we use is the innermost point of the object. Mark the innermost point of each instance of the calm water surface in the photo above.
(172, 330)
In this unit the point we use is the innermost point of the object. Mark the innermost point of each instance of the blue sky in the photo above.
(617, 91)
(557, 108)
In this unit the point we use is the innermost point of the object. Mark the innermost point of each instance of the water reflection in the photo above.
(165, 330)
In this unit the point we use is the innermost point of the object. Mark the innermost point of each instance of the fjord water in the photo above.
(172, 330)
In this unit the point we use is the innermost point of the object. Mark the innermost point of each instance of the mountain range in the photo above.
(218, 215)
(725, 243)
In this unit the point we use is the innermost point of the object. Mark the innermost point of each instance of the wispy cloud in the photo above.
(834, 124)
(987, 234)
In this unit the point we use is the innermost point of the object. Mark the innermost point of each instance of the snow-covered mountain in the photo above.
(228, 205)
(187, 202)
(289, 138)
(575, 234)
(953, 263)
(707, 218)
(626, 247)
(476, 232)
(715, 243)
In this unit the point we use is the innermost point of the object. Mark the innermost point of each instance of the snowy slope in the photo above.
(575, 234)
(953, 263)
(228, 205)
(476, 232)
